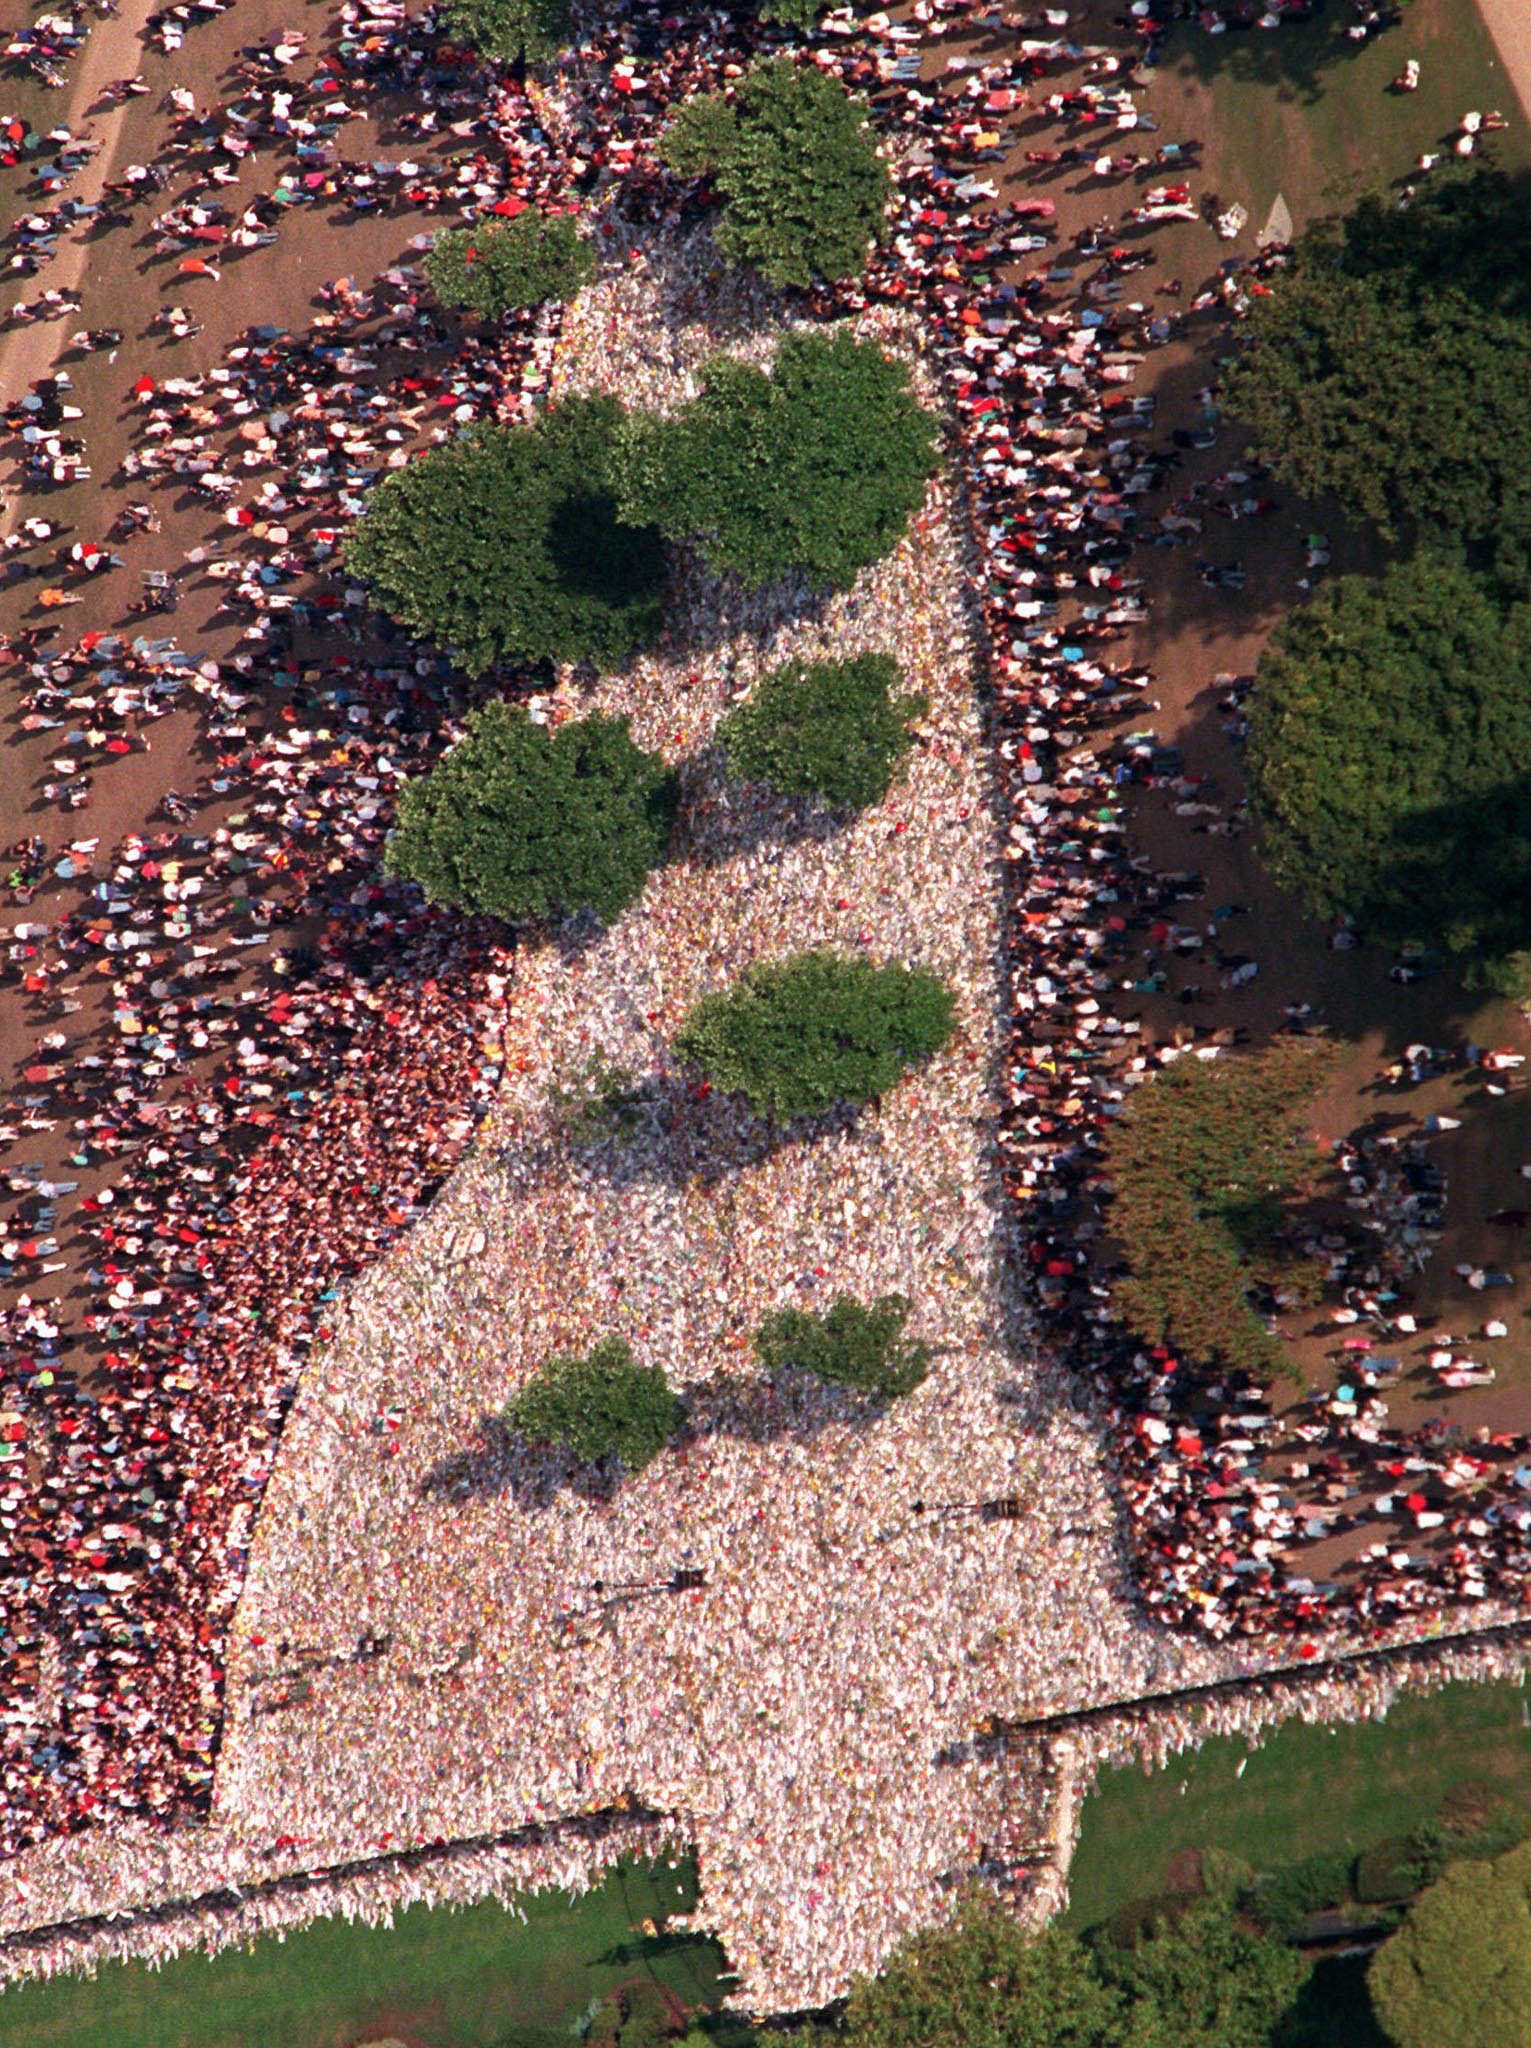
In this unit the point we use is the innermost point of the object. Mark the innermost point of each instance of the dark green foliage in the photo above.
(834, 729)
(794, 13)
(1388, 758)
(985, 1982)
(816, 467)
(1285, 1899)
(1475, 1820)
(505, 545)
(639, 2014)
(510, 29)
(599, 1406)
(1205, 1164)
(521, 822)
(850, 1345)
(801, 1035)
(1390, 367)
(1457, 1974)
(1394, 1869)
(495, 265)
(1206, 1983)
(795, 159)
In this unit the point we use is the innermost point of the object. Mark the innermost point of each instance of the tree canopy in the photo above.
(496, 265)
(506, 544)
(833, 729)
(816, 467)
(1457, 1974)
(795, 158)
(600, 1406)
(851, 1345)
(1390, 736)
(1203, 1166)
(798, 1036)
(1390, 366)
(510, 30)
(987, 1982)
(521, 822)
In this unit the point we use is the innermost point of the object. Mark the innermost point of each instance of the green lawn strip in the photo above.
(1305, 112)
(478, 1978)
(1306, 1790)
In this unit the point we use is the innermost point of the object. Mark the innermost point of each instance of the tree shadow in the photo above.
(1295, 59)
(723, 818)
(499, 1461)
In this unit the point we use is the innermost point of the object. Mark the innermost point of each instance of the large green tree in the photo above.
(506, 545)
(511, 30)
(795, 157)
(1388, 756)
(815, 467)
(1390, 367)
(800, 1035)
(833, 729)
(497, 265)
(1203, 1981)
(1203, 1167)
(599, 1406)
(521, 822)
(851, 1344)
(1457, 1974)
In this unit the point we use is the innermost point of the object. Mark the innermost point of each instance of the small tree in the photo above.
(1204, 1166)
(521, 822)
(511, 31)
(599, 1406)
(853, 1346)
(800, 1035)
(794, 13)
(1457, 1974)
(795, 157)
(1391, 727)
(834, 729)
(506, 545)
(816, 467)
(496, 265)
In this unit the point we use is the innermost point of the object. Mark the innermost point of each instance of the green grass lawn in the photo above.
(480, 1978)
(1305, 1790)
(1305, 112)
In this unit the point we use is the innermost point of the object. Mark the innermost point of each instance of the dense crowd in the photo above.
(268, 1131)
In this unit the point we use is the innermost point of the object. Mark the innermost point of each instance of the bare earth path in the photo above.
(1509, 23)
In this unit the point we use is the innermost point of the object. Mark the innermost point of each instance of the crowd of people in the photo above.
(253, 1135)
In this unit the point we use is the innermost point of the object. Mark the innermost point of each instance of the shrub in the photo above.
(496, 265)
(1204, 1166)
(801, 1035)
(833, 729)
(1457, 1974)
(1394, 1869)
(795, 158)
(506, 545)
(816, 467)
(1390, 727)
(793, 13)
(1283, 1900)
(520, 822)
(850, 1345)
(600, 1406)
(510, 30)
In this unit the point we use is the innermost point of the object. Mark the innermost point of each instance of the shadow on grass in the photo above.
(1294, 59)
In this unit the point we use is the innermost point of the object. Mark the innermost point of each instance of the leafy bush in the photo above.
(1283, 1900)
(1204, 1166)
(1395, 1869)
(793, 13)
(851, 1345)
(506, 545)
(1391, 727)
(1429, 300)
(1457, 1974)
(801, 1035)
(495, 265)
(522, 822)
(795, 157)
(833, 729)
(510, 30)
(816, 467)
(600, 1406)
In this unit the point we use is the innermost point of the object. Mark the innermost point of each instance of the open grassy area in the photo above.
(481, 1978)
(1306, 1790)
(1307, 113)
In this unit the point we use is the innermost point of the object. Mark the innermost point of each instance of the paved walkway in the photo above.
(1509, 24)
